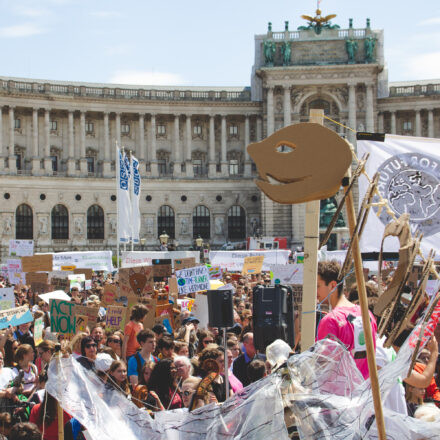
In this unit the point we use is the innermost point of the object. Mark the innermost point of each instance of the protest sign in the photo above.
(67, 268)
(62, 317)
(21, 248)
(185, 304)
(37, 263)
(38, 331)
(109, 294)
(233, 260)
(41, 287)
(161, 269)
(96, 260)
(184, 263)
(215, 273)
(165, 313)
(173, 288)
(87, 284)
(81, 323)
(36, 277)
(15, 272)
(7, 298)
(150, 317)
(192, 280)
(288, 274)
(88, 273)
(136, 281)
(15, 317)
(57, 294)
(77, 280)
(252, 265)
(115, 317)
(142, 258)
(200, 310)
(90, 312)
(60, 284)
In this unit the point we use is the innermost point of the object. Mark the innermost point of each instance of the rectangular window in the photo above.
(197, 130)
(18, 161)
(162, 166)
(197, 167)
(90, 128)
(90, 164)
(53, 125)
(161, 129)
(54, 160)
(125, 128)
(233, 130)
(233, 167)
(17, 124)
(407, 125)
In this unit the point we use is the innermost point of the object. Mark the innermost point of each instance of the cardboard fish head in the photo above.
(300, 163)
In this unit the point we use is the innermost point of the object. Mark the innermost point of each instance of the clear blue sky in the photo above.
(193, 42)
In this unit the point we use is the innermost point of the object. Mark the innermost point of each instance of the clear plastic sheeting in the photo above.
(330, 400)
(255, 413)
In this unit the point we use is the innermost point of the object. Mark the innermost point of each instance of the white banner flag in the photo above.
(124, 206)
(409, 169)
(135, 196)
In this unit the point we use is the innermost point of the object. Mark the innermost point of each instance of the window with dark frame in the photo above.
(90, 164)
(95, 223)
(161, 129)
(90, 127)
(53, 125)
(233, 167)
(166, 221)
(54, 160)
(60, 223)
(201, 222)
(233, 130)
(24, 223)
(17, 124)
(236, 223)
(125, 128)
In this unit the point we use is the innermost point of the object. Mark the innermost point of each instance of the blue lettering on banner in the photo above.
(123, 175)
(136, 177)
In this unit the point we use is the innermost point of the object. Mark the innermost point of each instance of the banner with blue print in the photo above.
(15, 317)
(123, 196)
(135, 196)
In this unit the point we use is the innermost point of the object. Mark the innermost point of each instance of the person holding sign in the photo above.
(130, 344)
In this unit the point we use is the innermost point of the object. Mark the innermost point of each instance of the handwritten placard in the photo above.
(252, 265)
(90, 312)
(62, 317)
(88, 273)
(191, 280)
(38, 331)
(36, 277)
(109, 294)
(21, 248)
(37, 263)
(136, 281)
(162, 269)
(7, 298)
(184, 263)
(115, 317)
(15, 317)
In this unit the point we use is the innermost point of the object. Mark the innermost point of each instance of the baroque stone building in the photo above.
(57, 141)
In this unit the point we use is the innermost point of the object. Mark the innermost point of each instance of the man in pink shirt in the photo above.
(345, 319)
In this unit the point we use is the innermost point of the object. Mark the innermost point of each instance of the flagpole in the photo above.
(117, 202)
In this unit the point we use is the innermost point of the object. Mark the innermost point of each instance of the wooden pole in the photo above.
(59, 407)
(371, 354)
(311, 243)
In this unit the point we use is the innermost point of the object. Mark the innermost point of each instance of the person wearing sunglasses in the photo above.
(115, 343)
(89, 350)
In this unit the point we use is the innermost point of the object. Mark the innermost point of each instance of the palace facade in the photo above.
(58, 138)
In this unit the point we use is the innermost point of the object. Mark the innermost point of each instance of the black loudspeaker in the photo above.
(273, 315)
(220, 308)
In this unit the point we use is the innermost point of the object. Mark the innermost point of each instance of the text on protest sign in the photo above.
(21, 248)
(36, 277)
(109, 294)
(252, 265)
(162, 269)
(62, 317)
(15, 317)
(115, 317)
(96, 260)
(7, 298)
(193, 280)
(38, 331)
(184, 263)
(37, 263)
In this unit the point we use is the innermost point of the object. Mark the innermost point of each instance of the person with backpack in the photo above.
(147, 341)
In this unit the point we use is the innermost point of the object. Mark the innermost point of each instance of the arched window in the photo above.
(95, 223)
(165, 221)
(236, 223)
(201, 222)
(24, 223)
(60, 223)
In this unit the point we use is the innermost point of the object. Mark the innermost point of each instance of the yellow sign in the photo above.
(252, 265)
(68, 268)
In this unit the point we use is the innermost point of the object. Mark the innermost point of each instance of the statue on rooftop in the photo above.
(269, 49)
(317, 23)
(351, 46)
(286, 51)
(369, 45)
(327, 210)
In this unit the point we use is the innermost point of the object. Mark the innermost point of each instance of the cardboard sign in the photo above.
(191, 280)
(184, 263)
(81, 323)
(7, 298)
(62, 317)
(37, 263)
(200, 310)
(88, 273)
(165, 311)
(21, 248)
(253, 265)
(38, 331)
(90, 312)
(115, 317)
(136, 281)
(60, 284)
(15, 317)
(109, 294)
(36, 277)
(150, 317)
(162, 269)
(173, 288)
(41, 287)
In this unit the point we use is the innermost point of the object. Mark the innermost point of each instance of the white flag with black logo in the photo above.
(135, 189)
(409, 169)
(123, 196)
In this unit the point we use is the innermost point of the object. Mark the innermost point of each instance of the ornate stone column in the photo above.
(106, 171)
(118, 129)
(259, 128)
(141, 152)
(12, 158)
(270, 113)
(36, 169)
(369, 113)
(418, 124)
(47, 160)
(177, 158)
(212, 171)
(189, 166)
(224, 161)
(82, 144)
(380, 127)
(431, 123)
(2, 152)
(287, 107)
(152, 155)
(393, 122)
(352, 112)
(71, 168)
(247, 137)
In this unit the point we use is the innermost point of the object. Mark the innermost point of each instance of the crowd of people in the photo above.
(187, 367)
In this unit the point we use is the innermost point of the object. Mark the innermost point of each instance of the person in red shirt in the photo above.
(130, 344)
